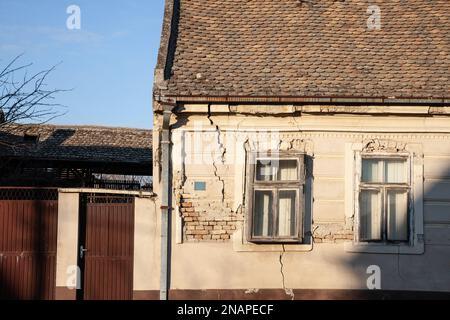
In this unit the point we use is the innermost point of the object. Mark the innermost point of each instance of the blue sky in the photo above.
(108, 63)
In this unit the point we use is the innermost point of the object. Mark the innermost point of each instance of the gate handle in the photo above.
(82, 251)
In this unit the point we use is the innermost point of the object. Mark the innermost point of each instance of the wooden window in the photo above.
(383, 200)
(275, 197)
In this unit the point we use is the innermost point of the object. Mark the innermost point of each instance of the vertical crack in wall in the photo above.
(296, 123)
(282, 266)
(289, 292)
(222, 153)
(399, 272)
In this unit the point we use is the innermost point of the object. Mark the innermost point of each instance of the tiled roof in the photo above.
(77, 143)
(309, 48)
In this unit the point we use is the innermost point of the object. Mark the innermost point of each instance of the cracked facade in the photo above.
(294, 170)
(210, 226)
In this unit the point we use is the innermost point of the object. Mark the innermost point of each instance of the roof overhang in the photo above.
(310, 99)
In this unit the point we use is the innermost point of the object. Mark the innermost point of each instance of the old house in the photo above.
(302, 149)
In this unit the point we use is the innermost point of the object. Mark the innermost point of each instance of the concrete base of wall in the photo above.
(146, 295)
(274, 294)
(63, 293)
(296, 294)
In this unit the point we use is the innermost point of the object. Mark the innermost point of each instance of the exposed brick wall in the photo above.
(201, 225)
(198, 225)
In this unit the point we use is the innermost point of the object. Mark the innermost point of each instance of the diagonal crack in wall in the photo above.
(222, 153)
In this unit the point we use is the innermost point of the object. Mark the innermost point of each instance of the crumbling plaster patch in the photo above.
(212, 210)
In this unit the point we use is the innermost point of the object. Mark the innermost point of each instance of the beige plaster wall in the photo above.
(147, 243)
(226, 265)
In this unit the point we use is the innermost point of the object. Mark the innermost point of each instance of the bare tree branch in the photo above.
(28, 99)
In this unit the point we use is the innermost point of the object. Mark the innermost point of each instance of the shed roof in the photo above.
(77, 143)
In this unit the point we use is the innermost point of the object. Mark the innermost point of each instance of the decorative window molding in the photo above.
(383, 146)
(287, 142)
(386, 150)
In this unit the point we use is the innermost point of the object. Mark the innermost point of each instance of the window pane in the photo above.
(397, 215)
(395, 171)
(275, 169)
(264, 170)
(262, 216)
(371, 170)
(286, 213)
(287, 170)
(370, 215)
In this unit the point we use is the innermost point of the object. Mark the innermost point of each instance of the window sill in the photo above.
(241, 245)
(276, 241)
(418, 248)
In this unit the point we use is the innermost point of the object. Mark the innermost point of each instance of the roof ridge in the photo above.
(76, 126)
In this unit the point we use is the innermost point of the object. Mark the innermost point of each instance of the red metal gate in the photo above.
(28, 240)
(107, 249)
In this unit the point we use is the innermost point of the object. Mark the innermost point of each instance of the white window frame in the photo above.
(382, 187)
(414, 157)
